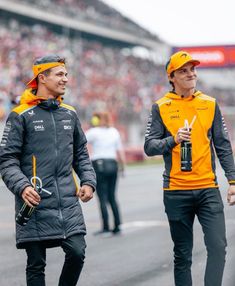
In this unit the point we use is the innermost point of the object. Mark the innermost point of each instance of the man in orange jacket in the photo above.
(187, 128)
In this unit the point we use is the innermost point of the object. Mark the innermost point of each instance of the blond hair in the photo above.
(104, 117)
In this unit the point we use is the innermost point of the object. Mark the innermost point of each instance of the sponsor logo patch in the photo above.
(31, 113)
(67, 127)
(39, 128)
(6, 131)
(38, 121)
(174, 117)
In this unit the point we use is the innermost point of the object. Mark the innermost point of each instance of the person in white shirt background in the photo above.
(107, 155)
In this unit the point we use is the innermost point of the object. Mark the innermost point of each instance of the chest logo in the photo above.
(69, 112)
(175, 117)
(31, 113)
(202, 108)
(39, 128)
(67, 127)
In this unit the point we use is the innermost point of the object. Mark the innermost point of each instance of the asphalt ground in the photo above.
(141, 256)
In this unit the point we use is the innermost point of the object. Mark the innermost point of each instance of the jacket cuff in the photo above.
(20, 191)
(171, 142)
(89, 184)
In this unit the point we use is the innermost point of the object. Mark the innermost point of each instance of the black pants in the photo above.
(74, 248)
(106, 174)
(181, 208)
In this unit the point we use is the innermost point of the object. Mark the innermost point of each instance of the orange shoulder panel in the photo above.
(68, 107)
(163, 100)
(21, 108)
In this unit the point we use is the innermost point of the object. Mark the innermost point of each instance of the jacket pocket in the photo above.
(178, 204)
(215, 203)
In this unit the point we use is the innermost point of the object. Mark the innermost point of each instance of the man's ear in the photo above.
(41, 78)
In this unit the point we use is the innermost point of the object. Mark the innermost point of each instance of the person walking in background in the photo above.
(42, 144)
(107, 158)
(187, 128)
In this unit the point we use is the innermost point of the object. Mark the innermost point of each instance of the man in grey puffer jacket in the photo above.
(43, 143)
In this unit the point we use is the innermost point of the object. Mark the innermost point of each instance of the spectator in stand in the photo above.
(108, 158)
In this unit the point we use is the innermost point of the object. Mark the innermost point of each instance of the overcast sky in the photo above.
(183, 22)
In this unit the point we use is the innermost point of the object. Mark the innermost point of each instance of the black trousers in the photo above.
(106, 175)
(74, 248)
(181, 208)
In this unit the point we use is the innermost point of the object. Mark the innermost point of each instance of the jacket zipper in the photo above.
(56, 153)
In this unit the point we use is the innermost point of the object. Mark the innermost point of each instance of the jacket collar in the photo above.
(31, 99)
(173, 95)
(50, 103)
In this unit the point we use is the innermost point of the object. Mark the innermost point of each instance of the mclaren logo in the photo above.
(69, 112)
(184, 55)
(31, 113)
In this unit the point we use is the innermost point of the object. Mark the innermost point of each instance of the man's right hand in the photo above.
(182, 135)
(30, 196)
(231, 195)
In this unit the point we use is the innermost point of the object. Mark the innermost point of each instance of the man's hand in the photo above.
(182, 135)
(85, 193)
(231, 195)
(31, 197)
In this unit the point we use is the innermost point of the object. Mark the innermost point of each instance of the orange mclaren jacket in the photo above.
(209, 133)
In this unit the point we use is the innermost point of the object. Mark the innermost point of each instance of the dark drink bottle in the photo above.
(26, 211)
(24, 214)
(186, 156)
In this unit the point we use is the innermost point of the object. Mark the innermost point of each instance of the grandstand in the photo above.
(127, 84)
(100, 45)
(90, 17)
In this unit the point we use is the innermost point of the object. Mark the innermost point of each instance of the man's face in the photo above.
(55, 82)
(185, 78)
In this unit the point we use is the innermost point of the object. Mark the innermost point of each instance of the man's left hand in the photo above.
(231, 195)
(85, 193)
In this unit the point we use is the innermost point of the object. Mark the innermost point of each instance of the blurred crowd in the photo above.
(92, 11)
(100, 76)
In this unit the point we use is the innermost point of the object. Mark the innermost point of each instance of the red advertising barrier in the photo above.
(212, 56)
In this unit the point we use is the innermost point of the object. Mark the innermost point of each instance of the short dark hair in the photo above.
(49, 59)
(170, 82)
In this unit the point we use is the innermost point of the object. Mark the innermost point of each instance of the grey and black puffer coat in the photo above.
(49, 131)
